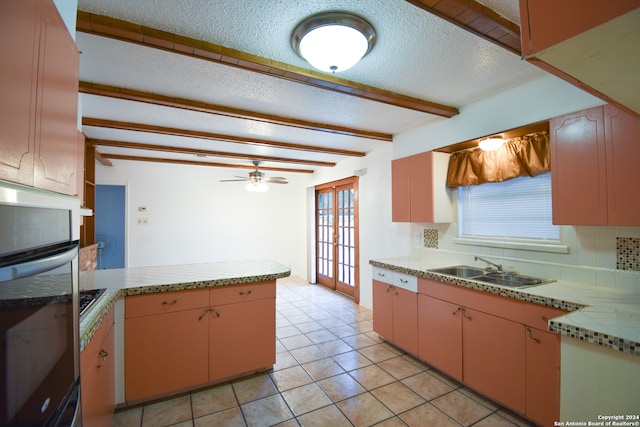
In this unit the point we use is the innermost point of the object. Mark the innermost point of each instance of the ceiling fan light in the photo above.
(491, 144)
(257, 187)
(334, 41)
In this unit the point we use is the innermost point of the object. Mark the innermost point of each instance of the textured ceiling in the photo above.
(417, 54)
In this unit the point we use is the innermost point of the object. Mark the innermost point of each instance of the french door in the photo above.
(337, 236)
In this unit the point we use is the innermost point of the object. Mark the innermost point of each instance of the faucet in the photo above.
(498, 266)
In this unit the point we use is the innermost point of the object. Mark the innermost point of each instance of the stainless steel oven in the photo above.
(39, 353)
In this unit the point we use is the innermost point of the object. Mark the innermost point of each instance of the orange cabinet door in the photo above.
(18, 84)
(165, 353)
(242, 338)
(440, 334)
(542, 376)
(494, 357)
(401, 190)
(421, 187)
(623, 151)
(546, 23)
(405, 319)
(57, 114)
(98, 389)
(578, 168)
(383, 309)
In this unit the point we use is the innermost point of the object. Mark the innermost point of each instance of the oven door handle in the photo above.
(37, 266)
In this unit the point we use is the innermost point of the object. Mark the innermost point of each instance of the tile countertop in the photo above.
(121, 282)
(599, 315)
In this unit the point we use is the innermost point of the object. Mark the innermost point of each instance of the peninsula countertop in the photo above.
(604, 316)
(121, 282)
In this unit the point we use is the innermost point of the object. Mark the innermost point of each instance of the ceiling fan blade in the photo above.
(234, 180)
(275, 181)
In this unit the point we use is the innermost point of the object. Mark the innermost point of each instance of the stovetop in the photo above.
(88, 298)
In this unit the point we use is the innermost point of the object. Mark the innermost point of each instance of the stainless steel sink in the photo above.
(512, 280)
(460, 271)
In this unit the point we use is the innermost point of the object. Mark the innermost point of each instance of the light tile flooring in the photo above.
(331, 370)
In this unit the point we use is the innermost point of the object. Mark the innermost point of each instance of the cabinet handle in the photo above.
(169, 303)
(544, 318)
(103, 353)
(457, 310)
(208, 310)
(404, 281)
(536, 340)
(464, 313)
(389, 288)
(244, 294)
(382, 275)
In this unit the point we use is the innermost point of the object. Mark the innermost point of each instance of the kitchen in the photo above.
(224, 210)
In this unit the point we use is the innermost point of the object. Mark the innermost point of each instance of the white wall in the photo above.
(194, 218)
(379, 237)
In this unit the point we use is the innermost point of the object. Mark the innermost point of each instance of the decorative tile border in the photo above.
(627, 253)
(430, 238)
(604, 340)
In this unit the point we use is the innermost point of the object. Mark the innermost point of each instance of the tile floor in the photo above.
(331, 370)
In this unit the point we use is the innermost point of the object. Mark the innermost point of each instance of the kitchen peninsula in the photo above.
(181, 326)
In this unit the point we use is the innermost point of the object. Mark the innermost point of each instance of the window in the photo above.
(519, 208)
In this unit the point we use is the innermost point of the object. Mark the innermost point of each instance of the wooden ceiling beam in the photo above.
(220, 110)
(100, 158)
(133, 33)
(199, 152)
(197, 163)
(139, 127)
(477, 19)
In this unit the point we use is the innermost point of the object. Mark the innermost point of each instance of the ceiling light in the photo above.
(491, 144)
(333, 41)
(257, 186)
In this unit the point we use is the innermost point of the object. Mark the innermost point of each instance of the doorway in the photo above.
(110, 215)
(337, 253)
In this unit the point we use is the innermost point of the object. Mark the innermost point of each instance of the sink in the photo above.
(512, 280)
(460, 271)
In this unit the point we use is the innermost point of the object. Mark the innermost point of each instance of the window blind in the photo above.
(519, 208)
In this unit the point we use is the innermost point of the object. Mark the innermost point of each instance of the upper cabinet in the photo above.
(418, 190)
(594, 175)
(38, 117)
(592, 44)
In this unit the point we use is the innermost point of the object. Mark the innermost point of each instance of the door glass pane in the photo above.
(325, 233)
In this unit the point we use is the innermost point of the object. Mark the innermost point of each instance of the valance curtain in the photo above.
(526, 155)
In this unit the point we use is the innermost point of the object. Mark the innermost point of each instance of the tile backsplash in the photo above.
(628, 253)
(603, 256)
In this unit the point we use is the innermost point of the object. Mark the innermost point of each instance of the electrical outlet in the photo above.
(417, 238)
(143, 221)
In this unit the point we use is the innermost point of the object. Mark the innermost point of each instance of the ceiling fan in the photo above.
(256, 179)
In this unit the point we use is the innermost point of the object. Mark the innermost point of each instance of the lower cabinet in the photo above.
(395, 315)
(440, 334)
(182, 339)
(542, 379)
(493, 344)
(97, 376)
(242, 338)
(494, 357)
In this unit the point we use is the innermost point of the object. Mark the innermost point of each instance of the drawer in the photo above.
(165, 302)
(232, 294)
(405, 281)
(488, 303)
(91, 351)
(382, 275)
(538, 316)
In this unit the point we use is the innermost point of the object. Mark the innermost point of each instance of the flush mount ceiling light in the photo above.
(491, 144)
(333, 41)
